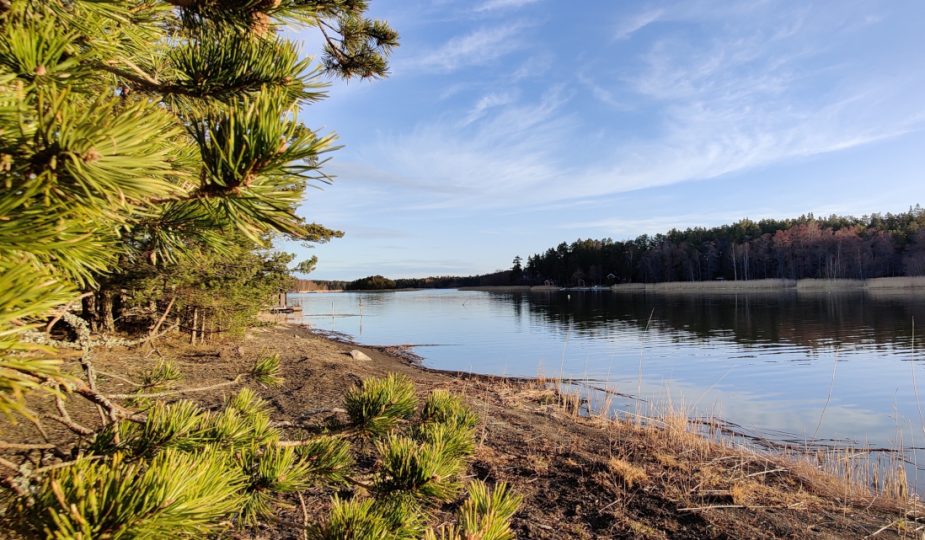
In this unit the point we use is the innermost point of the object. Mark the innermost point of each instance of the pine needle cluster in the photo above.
(122, 498)
(380, 405)
(266, 370)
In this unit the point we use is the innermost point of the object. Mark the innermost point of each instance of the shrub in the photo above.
(164, 372)
(379, 405)
(266, 370)
(328, 458)
(424, 470)
(366, 520)
(269, 473)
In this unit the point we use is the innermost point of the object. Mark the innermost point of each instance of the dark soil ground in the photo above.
(580, 477)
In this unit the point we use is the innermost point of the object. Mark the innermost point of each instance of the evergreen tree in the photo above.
(155, 145)
(146, 130)
(517, 270)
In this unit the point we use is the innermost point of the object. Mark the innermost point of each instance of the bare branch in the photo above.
(160, 321)
(166, 393)
(65, 419)
(18, 446)
(63, 310)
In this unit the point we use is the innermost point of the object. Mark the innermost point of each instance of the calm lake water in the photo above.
(836, 367)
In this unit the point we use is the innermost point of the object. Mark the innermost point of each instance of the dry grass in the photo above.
(641, 530)
(631, 475)
(703, 468)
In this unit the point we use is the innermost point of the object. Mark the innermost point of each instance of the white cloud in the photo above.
(757, 91)
(479, 47)
(625, 228)
(635, 23)
(484, 163)
(495, 5)
(535, 66)
(602, 94)
(486, 102)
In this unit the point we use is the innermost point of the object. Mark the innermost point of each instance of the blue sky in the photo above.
(508, 126)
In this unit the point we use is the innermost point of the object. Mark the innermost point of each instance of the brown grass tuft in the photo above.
(641, 530)
(630, 474)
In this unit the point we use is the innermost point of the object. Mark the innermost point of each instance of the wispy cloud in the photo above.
(511, 151)
(744, 99)
(740, 100)
(606, 96)
(486, 102)
(478, 47)
(534, 66)
(637, 22)
(496, 5)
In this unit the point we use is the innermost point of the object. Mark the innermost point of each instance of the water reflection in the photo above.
(811, 320)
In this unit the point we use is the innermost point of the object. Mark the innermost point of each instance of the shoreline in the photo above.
(764, 440)
(581, 474)
(915, 285)
(874, 286)
(543, 443)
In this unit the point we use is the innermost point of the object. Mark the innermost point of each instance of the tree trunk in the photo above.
(193, 326)
(735, 275)
(106, 311)
(88, 305)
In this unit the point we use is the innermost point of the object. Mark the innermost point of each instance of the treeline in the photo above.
(834, 247)
(378, 282)
(313, 285)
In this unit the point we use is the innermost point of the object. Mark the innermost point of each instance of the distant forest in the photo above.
(834, 247)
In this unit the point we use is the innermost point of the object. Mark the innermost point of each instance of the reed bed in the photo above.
(706, 464)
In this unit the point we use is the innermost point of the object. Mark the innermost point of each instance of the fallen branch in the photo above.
(160, 321)
(20, 446)
(166, 393)
(66, 420)
(298, 423)
(762, 473)
(149, 338)
(40, 338)
(70, 424)
(63, 310)
(118, 377)
(700, 508)
(304, 517)
(9, 464)
(882, 529)
(11, 484)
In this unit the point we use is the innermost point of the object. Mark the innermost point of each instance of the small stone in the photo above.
(360, 356)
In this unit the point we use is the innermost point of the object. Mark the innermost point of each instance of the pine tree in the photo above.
(133, 130)
(139, 135)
